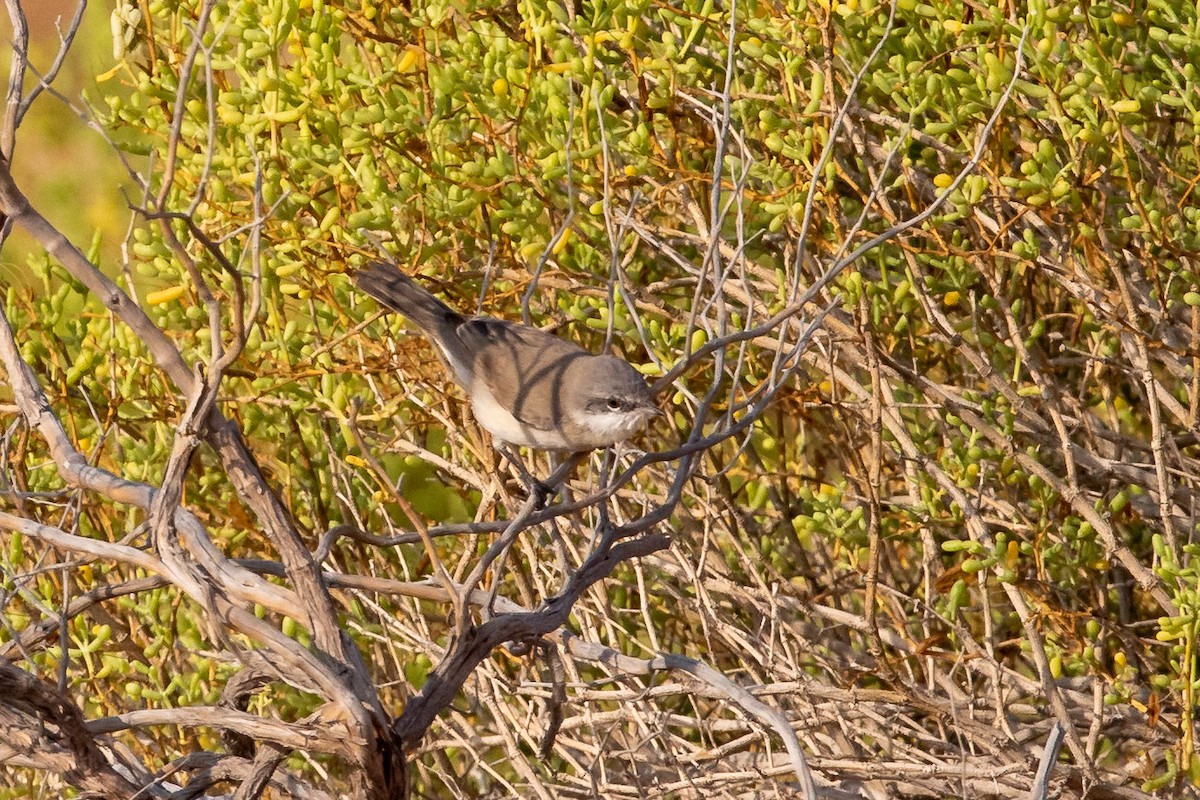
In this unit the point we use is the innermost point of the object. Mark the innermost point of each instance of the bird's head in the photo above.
(611, 401)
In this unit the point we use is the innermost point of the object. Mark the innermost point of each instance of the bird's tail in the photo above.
(395, 290)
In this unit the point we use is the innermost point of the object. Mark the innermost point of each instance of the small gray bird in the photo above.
(527, 387)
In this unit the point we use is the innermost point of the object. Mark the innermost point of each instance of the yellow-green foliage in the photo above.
(468, 135)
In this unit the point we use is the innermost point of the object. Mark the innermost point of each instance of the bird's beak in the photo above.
(655, 410)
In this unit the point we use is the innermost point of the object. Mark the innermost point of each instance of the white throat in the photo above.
(610, 427)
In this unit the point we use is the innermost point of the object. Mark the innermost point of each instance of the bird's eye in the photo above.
(614, 404)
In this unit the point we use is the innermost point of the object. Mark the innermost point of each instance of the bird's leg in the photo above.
(536, 488)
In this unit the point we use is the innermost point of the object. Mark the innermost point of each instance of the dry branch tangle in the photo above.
(949, 698)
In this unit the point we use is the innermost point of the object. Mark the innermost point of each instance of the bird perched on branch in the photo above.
(527, 387)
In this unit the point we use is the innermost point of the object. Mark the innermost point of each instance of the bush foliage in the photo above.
(968, 513)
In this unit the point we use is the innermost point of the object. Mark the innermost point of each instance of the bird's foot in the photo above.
(539, 490)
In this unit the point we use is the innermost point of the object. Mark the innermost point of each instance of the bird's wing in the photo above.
(522, 367)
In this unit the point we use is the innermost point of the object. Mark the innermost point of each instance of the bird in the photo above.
(527, 387)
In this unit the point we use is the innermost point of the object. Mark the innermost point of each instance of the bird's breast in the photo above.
(500, 422)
